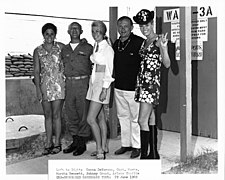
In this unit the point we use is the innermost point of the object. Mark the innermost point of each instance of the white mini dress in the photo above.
(101, 76)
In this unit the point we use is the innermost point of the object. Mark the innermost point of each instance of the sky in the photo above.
(23, 32)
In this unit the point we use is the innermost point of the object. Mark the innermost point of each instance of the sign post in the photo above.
(185, 83)
(113, 121)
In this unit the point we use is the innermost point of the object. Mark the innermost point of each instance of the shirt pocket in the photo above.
(81, 53)
(66, 58)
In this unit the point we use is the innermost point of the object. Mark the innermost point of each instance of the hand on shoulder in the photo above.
(84, 40)
(61, 44)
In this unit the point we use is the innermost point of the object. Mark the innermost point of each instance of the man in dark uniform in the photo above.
(126, 66)
(76, 59)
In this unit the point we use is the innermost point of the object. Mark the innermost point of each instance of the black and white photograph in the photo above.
(112, 90)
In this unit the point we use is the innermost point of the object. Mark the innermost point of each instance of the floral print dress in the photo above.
(52, 73)
(148, 79)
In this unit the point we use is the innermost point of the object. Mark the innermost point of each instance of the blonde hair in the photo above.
(102, 26)
(103, 30)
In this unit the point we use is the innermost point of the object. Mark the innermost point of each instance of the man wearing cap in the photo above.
(126, 65)
(76, 59)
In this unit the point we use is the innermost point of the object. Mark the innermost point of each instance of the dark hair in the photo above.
(125, 17)
(49, 26)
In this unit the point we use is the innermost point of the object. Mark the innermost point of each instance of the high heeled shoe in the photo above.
(101, 156)
(48, 150)
(95, 153)
(56, 149)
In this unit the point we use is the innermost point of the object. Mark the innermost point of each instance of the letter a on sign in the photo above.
(171, 15)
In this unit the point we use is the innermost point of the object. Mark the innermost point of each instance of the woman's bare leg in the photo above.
(57, 114)
(145, 112)
(47, 108)
(152, 118)
(94, 109)
(103, 129)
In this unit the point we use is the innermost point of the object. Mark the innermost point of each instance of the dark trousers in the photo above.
(76, 107)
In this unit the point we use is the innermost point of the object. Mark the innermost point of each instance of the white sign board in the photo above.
(175, 31)
(199, 29)
(177, 49)
(196, 50)
(205, 12)
(171, 15)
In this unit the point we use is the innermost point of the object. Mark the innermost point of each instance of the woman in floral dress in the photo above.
(154, 52)
(50, 85)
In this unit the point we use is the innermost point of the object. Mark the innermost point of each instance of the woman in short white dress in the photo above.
(99, 86)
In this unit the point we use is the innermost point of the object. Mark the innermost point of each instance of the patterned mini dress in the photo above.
(52, 78)
(148, 79)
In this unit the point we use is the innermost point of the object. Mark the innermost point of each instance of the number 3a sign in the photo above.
(206, 12)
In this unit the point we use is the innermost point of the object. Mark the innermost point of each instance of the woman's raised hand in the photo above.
(163, 40)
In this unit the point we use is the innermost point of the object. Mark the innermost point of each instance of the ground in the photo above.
(205, 163)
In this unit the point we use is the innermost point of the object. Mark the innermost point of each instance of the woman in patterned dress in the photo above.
(50, 85)
(154, 52)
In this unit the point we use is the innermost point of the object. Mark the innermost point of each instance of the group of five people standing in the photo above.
(83, 75)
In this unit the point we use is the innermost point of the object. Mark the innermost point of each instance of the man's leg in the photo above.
(123, 116)
(135, 128)
(82, 105)
(72, 115)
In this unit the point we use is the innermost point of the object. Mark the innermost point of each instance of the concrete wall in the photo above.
(21, 97)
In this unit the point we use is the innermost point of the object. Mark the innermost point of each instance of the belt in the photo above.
(100, 68)
(77, 77)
